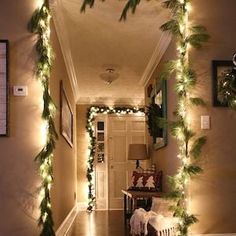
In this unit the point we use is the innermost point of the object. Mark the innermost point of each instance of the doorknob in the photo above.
(112, 167)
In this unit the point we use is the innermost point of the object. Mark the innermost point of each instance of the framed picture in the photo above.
(4, 88)
(66, 117)
(157, 113)
(218, 70)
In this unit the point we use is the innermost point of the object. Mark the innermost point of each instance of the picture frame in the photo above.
(157, 110)
(218, 68)
(66, 117)
(4, 88)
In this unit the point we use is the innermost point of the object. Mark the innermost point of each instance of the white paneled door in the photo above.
(122, 131)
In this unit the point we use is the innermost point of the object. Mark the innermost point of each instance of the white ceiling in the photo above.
(95, 40)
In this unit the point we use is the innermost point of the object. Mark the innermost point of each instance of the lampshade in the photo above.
(137, 152)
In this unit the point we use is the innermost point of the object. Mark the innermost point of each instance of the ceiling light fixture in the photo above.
(109, 76)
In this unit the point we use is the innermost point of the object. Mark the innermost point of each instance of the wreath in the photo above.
(154, 114)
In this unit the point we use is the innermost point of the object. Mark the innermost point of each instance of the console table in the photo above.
(131, 197)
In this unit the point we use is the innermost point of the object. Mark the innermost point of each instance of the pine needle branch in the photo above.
(198, 36)
(171, 26)
(195, 151)
(86, 3)
(131, 4)
(197, 101)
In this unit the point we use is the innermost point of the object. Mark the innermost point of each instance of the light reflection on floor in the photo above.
(99, 223)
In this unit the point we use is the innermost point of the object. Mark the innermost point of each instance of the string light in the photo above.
(189, 147)
(91, 115)
(40, 25)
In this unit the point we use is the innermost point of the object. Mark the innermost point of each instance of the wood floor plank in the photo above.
(99, 223)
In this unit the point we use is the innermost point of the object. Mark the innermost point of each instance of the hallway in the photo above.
(99, 223)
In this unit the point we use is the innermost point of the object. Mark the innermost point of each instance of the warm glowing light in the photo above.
(41, 194)
(188, 7)
(93, 111)
(39, 3)
(43, 133)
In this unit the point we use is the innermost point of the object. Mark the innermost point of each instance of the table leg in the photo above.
(125, 207)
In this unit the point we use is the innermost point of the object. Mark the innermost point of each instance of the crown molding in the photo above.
(59, 23)
(158, 53)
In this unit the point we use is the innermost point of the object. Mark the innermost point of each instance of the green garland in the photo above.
(154, 120)
(189, 145)
(40, 25)
(91, 115)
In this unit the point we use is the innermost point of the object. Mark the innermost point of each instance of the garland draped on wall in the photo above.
(189, 145)
(40, 25)
(91, 115)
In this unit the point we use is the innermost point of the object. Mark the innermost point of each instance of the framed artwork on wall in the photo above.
(66, 117)
(4, 88)
(157, 114)
(219, 68)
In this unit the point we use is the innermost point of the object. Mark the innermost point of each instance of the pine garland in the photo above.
(40, 25)
(91, 115)
(189, 145)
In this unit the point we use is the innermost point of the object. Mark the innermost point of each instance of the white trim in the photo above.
(159, 51)
(58, 20)
(82, 206)
(67, 223)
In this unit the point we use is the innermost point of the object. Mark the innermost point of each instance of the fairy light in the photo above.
(39, 3)
(91, 114)
(40, 25)
(182, 129)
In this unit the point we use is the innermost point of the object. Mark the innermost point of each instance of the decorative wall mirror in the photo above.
(3, 87)
(157, 114)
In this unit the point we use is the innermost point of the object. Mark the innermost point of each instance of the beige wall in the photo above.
(213, 194)
(64, 190)
(82, 154)
(18, 172)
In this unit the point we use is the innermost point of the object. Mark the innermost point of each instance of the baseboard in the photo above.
(82, 206)
(67, 223)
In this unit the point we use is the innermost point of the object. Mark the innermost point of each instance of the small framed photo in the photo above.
(219, 68)
(4, 88)
(66, 117)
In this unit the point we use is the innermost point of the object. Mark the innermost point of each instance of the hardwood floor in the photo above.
(99, 223)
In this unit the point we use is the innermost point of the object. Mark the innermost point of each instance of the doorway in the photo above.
(112, 167)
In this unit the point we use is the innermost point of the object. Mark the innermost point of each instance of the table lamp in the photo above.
(137, 152)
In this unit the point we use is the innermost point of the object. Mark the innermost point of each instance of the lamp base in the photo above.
(138, 167)
(137, 164)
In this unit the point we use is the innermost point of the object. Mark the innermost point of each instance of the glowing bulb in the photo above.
(45, 217)
(181, 28)
(40, 3)
(42, 194)
(178, 64)
(185, 181)
(44, 132)
(188, 7)
(49, 186)
(49, 179)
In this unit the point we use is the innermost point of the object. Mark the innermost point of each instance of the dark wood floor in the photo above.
(100, 223)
